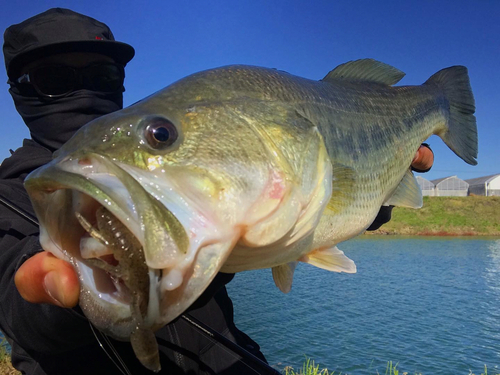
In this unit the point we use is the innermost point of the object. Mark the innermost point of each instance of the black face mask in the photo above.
(53, 122)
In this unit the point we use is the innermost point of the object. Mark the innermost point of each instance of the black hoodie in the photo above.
(47, 339)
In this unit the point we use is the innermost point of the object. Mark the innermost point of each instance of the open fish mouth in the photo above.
(89, 218)
(124, 242)
(137, 268)
(109, 246)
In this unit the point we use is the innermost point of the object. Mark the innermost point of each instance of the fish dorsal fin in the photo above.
(366, 70)
(407, 194)
(283, 276)
(331, 259)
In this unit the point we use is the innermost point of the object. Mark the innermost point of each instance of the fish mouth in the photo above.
(105, 242)
(117, 286)
(171, 270)
(96, 227)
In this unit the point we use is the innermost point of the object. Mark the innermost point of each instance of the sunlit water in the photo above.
(431, 305)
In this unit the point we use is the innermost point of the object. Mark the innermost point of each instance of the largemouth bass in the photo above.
(233, 169)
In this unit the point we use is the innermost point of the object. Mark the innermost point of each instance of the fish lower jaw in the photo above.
(103, 285)
(107, 303)
(103, 305)
(97, 254)
(113, 273)
(103, 282)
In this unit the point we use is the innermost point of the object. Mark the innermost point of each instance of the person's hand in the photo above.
(423, 160)
(43, 278)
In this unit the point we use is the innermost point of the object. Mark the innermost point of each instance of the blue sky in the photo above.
(308, 38)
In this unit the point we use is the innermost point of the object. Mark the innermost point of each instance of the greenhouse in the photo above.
(426, 186)
(450, 187)
(487, 185)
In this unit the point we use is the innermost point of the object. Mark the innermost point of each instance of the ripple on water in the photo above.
(433, 305)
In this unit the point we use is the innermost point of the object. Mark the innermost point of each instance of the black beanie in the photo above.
(59, 30)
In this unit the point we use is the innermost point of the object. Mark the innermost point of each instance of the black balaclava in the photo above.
(52, 122)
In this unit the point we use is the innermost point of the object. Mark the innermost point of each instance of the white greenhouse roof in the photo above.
(482, 180)
(424, 183)
(438, 180)
(450, 183)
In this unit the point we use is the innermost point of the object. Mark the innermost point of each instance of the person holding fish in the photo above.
(66, 69)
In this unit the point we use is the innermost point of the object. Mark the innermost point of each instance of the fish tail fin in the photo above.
(460, 134)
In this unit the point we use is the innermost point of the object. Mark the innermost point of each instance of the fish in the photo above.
(234, 169)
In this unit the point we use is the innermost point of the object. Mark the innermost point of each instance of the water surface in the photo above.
(431, 304)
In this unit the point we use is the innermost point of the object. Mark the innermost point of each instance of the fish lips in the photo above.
(68, 185)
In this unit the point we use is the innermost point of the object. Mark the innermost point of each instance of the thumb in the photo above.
(46, 279)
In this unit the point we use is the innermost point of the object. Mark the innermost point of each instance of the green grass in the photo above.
(310, 368)
(5, 364)
(460, 216)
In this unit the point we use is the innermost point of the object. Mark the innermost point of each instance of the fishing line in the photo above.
(231, 348)
(125, 370)
(115, 352)
(210, 337)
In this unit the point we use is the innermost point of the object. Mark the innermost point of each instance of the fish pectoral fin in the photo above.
(365, 70)
(407, 193)
(283, 276)
(343, 192)
(331, 259)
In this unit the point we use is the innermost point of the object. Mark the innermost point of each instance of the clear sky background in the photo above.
(307, 38)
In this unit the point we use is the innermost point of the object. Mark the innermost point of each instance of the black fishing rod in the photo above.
(251, 360)
(18, 210)
(259, 366)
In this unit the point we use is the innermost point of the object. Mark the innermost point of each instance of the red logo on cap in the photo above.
(98, 38)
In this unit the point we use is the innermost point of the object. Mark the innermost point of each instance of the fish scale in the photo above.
(259, 169)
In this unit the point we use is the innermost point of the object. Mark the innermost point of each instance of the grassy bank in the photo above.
(310, 368)
(447, 216)
(5, 364)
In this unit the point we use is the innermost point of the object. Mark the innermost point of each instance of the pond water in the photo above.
(432, 305)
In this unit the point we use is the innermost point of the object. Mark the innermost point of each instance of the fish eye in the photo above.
(160, 133)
